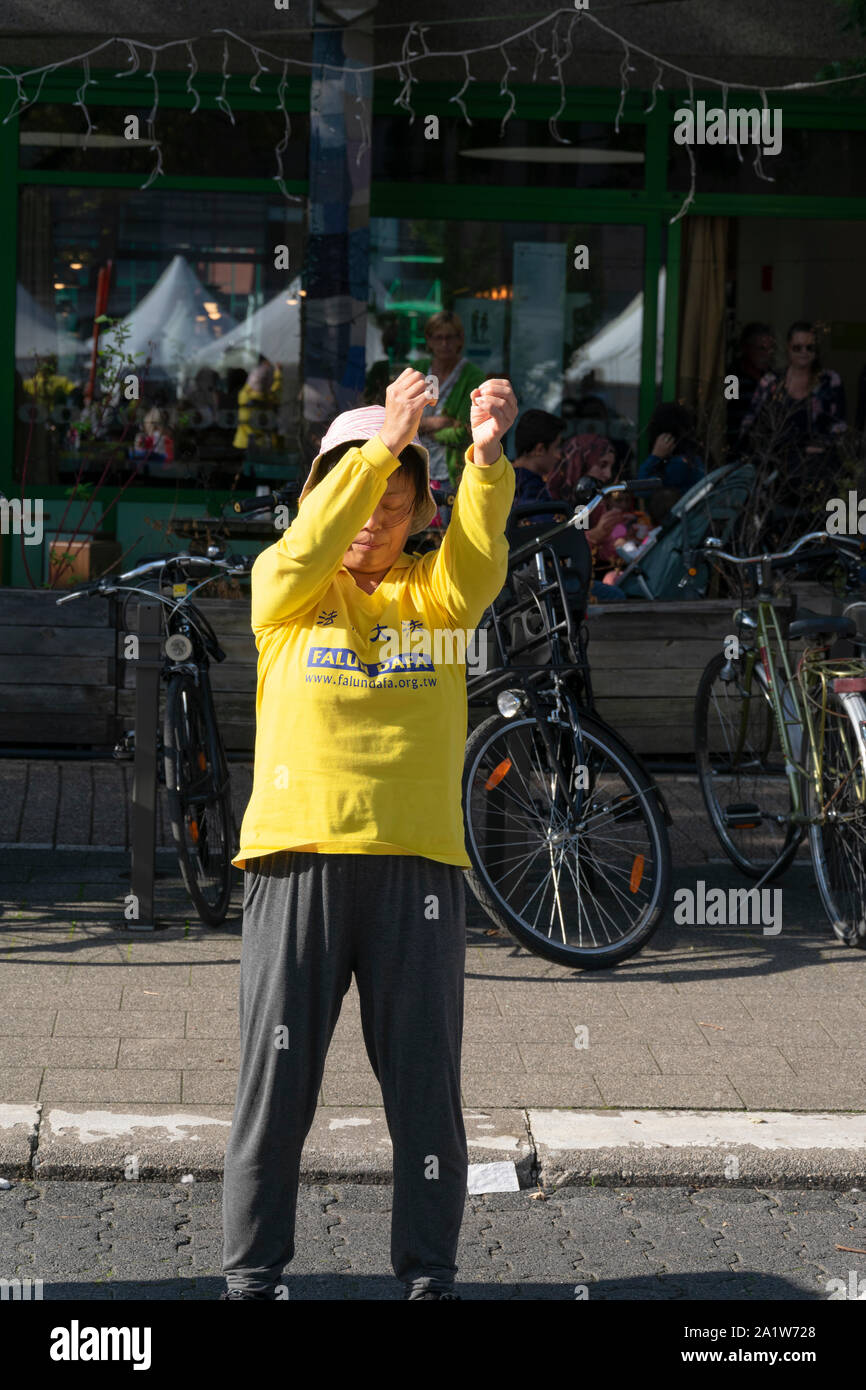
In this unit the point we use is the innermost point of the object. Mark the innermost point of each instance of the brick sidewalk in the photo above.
(96, 1017)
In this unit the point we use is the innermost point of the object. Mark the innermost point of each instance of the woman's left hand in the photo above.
(493, 412)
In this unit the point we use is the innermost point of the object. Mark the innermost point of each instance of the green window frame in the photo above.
(651, 207)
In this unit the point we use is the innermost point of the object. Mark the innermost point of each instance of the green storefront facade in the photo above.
(466, 222)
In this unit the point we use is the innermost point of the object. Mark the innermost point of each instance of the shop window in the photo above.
(208, 337)
(566, 328)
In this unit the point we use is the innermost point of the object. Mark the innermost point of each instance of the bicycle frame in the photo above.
(811, 668)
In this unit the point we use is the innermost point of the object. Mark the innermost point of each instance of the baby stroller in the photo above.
(661, 567)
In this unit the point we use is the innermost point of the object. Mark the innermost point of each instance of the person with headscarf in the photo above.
(589, 455)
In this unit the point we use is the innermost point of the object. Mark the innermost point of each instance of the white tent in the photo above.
(614, 354)
(36, 331)
(171, 322)
(274, 330)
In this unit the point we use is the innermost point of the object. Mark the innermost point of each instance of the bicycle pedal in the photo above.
(743, 817)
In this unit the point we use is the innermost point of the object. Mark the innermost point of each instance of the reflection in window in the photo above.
(523, 155)
(55, 136)
(197, 380)
(568, 338)
(823, 163)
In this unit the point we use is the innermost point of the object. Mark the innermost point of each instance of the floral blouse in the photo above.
(822, 412)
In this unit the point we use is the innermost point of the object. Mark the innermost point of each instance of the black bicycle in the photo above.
(191, 759)
(565, 827)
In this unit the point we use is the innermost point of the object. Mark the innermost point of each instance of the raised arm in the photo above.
(295, 573)
(469, 568)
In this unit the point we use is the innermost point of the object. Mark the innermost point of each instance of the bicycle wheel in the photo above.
(838, 845)
(741, 768)
(199, 806)
(585, 893)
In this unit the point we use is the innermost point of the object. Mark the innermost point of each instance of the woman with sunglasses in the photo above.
(794, 419)
(809, 400)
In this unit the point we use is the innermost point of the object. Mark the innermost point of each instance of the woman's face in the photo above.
(802, 349)
(603, 468)
(382, 539)
(445, 343)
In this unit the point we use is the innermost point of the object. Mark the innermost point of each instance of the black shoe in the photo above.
(433, 1293)
(246, 1293)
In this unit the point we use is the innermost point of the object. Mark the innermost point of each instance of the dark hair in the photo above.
(672, 418)
(411, 461)
(536, 427)
(756, 329)
(803, 326)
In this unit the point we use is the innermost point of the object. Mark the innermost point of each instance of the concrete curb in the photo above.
(547, 1148)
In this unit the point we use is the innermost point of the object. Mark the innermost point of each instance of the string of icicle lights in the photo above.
(553, 38)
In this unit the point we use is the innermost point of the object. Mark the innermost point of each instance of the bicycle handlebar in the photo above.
(233, 564)
(268, 501)
(818, 537)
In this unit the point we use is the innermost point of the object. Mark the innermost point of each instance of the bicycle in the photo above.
(565, 827)
(191, 759)
(780, 757)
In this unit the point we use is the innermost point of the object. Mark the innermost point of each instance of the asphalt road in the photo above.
(158, 1241)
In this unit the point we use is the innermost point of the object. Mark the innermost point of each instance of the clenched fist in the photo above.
(405, 400)
(494, 410)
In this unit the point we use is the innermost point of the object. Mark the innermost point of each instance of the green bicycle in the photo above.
(781, 755)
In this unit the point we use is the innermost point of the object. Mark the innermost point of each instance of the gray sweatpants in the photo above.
(311, 921)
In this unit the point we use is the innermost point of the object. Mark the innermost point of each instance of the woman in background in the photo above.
(444, 426)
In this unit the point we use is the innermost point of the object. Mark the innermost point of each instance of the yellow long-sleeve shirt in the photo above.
(356, 754)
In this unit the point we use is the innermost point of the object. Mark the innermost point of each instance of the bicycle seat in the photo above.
(818, 624)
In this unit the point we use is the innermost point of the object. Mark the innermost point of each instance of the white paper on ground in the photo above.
(492, 1177)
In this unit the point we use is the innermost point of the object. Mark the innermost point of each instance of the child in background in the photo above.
(626, 536)
(153, 442)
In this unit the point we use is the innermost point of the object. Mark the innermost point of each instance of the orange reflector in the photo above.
(497, 775)
(692, 572)
(193, 830)
(202, 760)
(636, 873)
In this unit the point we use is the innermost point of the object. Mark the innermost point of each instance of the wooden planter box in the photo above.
(63, 679)
(57, 670)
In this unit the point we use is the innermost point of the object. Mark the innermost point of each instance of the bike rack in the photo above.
(144, 782)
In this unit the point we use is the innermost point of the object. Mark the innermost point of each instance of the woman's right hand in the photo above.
(405, 400)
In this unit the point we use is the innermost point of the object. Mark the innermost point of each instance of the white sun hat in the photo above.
(364, 424)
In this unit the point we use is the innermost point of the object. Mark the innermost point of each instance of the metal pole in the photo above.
(140, 916)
